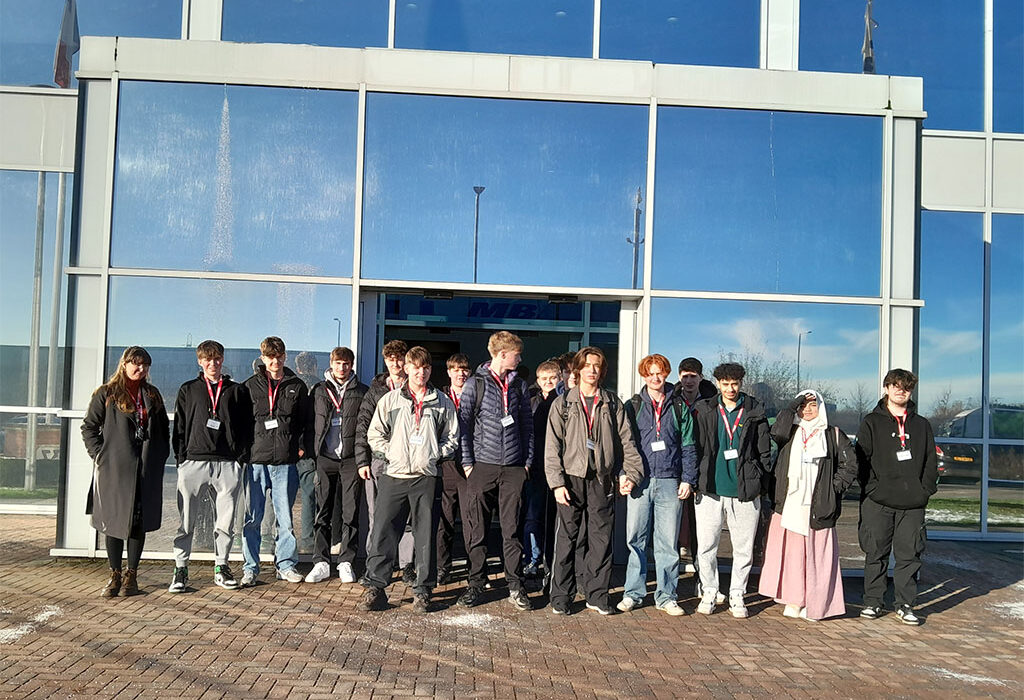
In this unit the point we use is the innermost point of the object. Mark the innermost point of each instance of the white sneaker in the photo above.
(321, 571)
(792, 611)
(345, 572)
(626, 604)
(289, 575)
(707, 604)
(672, 608)
(736, 607)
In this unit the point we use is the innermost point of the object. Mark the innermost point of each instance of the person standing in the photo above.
(211, 436)
(334, 406)
(898, 474)
(279, 409)
(306, 369)
(453, 478)
(816, 464)
(126, 434)
(538, 504)
(589, 455)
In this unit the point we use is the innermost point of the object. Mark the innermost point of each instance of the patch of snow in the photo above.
(9, 636)
(1012, 610)
(46, 613)
(966, 565)
(474, 620)
(964, 677)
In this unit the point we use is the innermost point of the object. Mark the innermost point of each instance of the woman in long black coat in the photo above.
(126, 434)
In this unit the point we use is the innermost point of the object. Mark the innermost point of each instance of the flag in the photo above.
(67, 45)
(868, 49)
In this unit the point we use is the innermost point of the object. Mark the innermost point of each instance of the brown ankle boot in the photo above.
(131, 583)
(113, 586)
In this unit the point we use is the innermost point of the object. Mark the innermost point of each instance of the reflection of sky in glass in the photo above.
(237, 314)
(839, 357)
(721, 33)
(794, 198)
(952, 266)
(531, 27)
(234, 178)
(1006, 354)
(355, 23)
(939, 40)
(1008, 65)
(29, 30)
(560, 178)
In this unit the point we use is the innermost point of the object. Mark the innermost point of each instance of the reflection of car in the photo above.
(958, 462)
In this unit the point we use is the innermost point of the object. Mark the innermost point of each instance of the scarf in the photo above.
(807, 448)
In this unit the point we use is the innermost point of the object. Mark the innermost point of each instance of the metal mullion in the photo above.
(596, 49)
(652, 155)
(222, 276)
(357, 223)
(885, 311)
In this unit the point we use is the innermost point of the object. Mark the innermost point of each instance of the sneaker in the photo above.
(604, 610)
(373, 599)
(791, 611)
(707, 604)
(519, 600)
(470, 598)
(871, 612)
(248, 579)
(180, 580)
(409, 574)
(223, 577)
(561, 608)
(421, 603)
(906, 615)
(627, 603)
(672, 608)
(345, 572)
(444, 576)
(736, 607)
(289, 575)
(321, 571)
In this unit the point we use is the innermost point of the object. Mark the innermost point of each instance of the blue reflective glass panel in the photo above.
(1006, 342)
(939, 40)
(234, 178)
(952, 266)
(767, 202)
(29, 30)
(828, 347)
(723, 33)
(558, 187)
(1008, 65)
(237, 314)
(531, 27)
(354, 23)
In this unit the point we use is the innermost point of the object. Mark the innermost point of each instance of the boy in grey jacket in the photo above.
(413, 429)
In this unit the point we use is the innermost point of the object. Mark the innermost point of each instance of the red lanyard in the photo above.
(807, 438)
(417, 407)
(341, 397)
(731, 432)
(140, 407)
(503, 385)
(658, 405)
(590, 416)
(272, 394)
(209, 390)
(901, 421)
(454, 397)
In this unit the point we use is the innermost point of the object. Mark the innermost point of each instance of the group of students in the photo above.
(551, 459)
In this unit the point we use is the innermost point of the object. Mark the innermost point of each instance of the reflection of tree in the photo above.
(945, 409)
(773, 380)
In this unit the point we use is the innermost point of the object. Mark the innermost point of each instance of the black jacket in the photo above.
(836, 471)
(541, 407)
(755, 448)
(323, 411)
(378, 387)
(191, 438)
(484, 438)
(886, 480)
(278, 445)
(127, 474)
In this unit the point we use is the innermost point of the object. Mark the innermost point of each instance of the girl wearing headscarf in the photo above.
(816, 464)
(126, 433)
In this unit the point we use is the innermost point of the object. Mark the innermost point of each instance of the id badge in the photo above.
(270, 424)
(732, 454)
(415, 439)
(902, 455)
(658, 446)
(213, 424)
(335, 422)
(507, 421)
(590, 444)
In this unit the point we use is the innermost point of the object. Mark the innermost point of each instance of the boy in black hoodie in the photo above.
(898, 474)
(279, 412)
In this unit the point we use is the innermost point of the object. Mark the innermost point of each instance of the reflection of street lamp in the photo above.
(476, 226)
(799, 337)
(339, 331)
(636, 240)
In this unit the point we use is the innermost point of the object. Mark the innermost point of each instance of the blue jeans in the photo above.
(534, 504)
(658, 498)
(283, 482)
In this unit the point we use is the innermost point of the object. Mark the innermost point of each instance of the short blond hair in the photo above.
(503, 340)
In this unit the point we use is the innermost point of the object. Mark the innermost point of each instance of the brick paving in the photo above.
(58, 638)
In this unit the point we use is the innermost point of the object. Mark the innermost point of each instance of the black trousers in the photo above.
(398, 500)
(339, 491)
(490, 487)
(883, 530)
(453, 498)
(591, 502)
